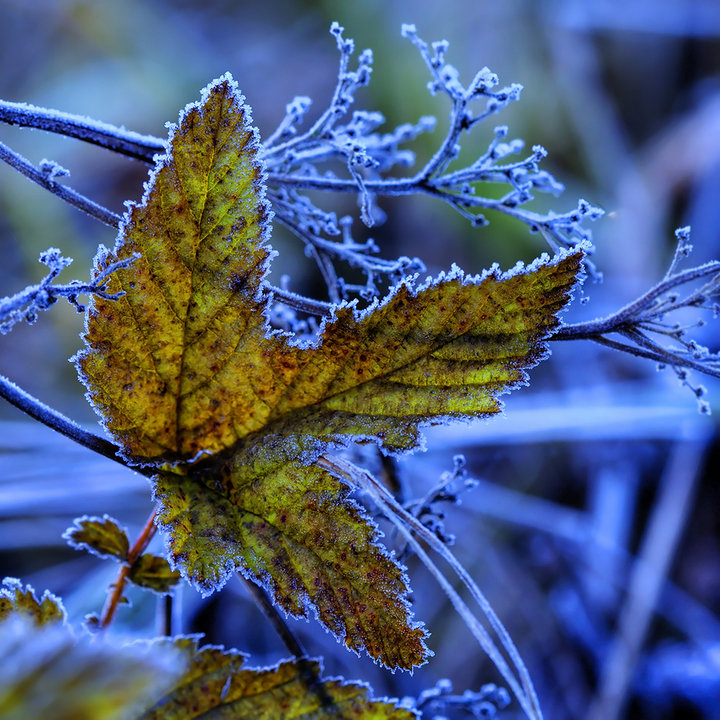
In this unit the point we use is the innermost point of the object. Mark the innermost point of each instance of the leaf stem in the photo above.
(165, 611)
(137, 549)
(302, 303)
(290, 640)
(408, 526)
(628, 315)
(308, 671)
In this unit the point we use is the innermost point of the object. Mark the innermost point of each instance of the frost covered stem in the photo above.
(48, 181)
(302, 303)
(55, 420)
(626, 317)
(26, 304)
(415, 185)
(132, 144)
(408, 526)
(261, 599)
(643, 323)
(137, 549)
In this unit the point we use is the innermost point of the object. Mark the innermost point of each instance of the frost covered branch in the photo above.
(26, 304)
(46, 176)
(645, 325)
(484, 703)
(293, 161)
(447, 490)
(344, 151)
(126, 142)
(55, 420)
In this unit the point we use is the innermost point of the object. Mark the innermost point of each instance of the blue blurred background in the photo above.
(595, 528)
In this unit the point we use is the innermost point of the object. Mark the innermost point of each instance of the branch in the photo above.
(137, 549)
(301, 303)
(353, 142)
(47, 178)
(644, 309)
(125, 142)
(308, 671)
(644, 323)
(26, 304)
(56, 421)
(290, 640)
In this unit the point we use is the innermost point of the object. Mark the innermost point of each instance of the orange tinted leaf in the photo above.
(19, 601)
(215, 685)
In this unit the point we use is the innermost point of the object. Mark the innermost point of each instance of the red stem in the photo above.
(139, 546)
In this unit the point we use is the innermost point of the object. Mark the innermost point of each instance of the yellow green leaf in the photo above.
(17, 600)
(190, 379)
(158, 360)
(445, 350)
(153, 572)
(293, 528)
(216, 686)
(46, 672)
(100, 536)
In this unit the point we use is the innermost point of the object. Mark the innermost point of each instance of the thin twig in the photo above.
(629, 314)
(308, 671)
(409, 526)
(47, 181)
(648, 354)
(302, 303)
(145, 148)
(137, 549)
(26, 304)
(165, 613)
(290, 640)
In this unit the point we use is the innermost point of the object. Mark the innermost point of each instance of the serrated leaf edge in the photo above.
(194, 649)
(67, 536)
(11, 585)
(163, 160)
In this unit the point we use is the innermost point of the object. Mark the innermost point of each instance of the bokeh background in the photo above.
(595, 529)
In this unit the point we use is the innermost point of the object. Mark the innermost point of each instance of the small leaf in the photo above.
(154, 573)
(216, 686)
(100, 536)
(19, 601)
(47, 673)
